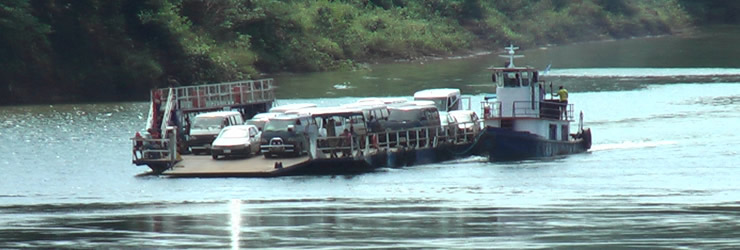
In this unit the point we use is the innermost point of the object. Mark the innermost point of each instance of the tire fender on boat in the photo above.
(587, 138)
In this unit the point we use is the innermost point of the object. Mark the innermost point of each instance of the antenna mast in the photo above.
(511, 55)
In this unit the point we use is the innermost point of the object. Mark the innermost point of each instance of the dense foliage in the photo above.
(91, 50)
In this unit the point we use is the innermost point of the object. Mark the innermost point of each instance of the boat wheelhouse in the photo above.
(522, 123)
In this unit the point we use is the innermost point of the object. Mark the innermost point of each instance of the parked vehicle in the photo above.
(449, 123)
(407, 117)
(207, 126)
(373, 112)
(445, 99)
(333, 121)
(384, 100)
(260, 119)
(287, 135)
(467, 121)
(289, 107)
(236, 140)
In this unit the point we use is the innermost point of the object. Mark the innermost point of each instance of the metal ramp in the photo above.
(224, 95)
(169, 107)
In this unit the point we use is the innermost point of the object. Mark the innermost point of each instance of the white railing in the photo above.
(154, 150)
(491, 109)
(547, 110)
(351, 146)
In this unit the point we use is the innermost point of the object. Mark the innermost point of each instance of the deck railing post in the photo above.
(352, 145)
(251, 90)
(388, 139)
(426, 138)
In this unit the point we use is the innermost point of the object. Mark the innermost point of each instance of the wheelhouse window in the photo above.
(510, 80)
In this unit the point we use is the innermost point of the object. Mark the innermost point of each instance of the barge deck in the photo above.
(258, 166)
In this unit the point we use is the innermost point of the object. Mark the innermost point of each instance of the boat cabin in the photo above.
(520, 103)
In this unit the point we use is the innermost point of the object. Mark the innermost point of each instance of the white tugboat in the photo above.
(522, 124)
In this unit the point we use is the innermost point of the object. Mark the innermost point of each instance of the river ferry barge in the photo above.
(363, 150)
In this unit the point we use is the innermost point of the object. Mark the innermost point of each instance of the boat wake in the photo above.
(631, 145)
(471, 159)
(646, 72)
(344, 85)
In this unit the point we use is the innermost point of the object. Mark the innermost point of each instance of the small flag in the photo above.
(547, 69)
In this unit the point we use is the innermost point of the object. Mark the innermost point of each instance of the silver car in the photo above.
(236, 140)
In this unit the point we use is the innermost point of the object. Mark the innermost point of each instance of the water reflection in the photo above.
(384, 223)
(235, 221)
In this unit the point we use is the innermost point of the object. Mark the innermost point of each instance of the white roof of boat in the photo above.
(287, 107)
(431, 93)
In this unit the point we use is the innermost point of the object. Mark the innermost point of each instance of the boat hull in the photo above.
(258, 166)
(507, 145)
(394, 158)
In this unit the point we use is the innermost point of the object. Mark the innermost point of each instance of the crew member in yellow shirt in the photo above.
(563, 94)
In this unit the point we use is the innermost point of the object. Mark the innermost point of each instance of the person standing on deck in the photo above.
(563, 94)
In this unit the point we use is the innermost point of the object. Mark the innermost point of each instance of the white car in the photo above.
(236, 140)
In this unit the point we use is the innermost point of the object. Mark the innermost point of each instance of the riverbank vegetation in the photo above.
(101, 50)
